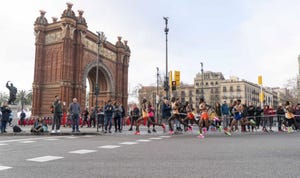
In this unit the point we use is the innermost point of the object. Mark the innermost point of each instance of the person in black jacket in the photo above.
(280, 116)
(6, 111)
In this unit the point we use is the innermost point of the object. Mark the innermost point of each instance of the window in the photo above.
(231, 88)
(224, 89)
(197, 84)
(238, 88)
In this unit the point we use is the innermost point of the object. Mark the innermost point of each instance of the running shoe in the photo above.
(190, 129)
(149, 131)
(171, 132)
(137, 133)
(220, 128)
(290, 129)
(227, 133)
(201, 136)
(252, 122)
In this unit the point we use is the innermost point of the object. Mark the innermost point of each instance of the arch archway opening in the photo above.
(91, 85)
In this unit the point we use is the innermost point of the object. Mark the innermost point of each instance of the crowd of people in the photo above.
(224, 117)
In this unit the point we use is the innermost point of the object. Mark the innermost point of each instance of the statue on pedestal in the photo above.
(12, 93)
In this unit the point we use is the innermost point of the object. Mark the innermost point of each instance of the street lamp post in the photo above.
(100, 42)
(167, 77)
(156, 97)
(202, 82)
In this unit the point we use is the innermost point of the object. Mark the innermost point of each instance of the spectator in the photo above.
(38, 126)
(117, 115)
(166, 110)
(225, 115)
(74, 110)
(108, 113)
(134, 115)
(250, 115)
(85, 115)
(5, 116)
(57, 113)
(93, 117)
(280, 116)
(22, 118)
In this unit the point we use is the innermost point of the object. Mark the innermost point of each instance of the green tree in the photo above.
(3, 97)
(24, 97)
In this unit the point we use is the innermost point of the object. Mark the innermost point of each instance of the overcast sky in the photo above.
(243, 38)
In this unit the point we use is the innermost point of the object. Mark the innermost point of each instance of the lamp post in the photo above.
(167, 77)
(156, 97)
(100, 42)
(202, 82)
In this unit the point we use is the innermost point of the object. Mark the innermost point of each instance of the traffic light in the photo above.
(259, 80)
(173, 85)
(177, 77)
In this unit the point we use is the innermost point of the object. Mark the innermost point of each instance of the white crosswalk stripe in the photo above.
(45, 158)
(2, 168)
(109, 146)
(128, 143)
(165, 136)
(52, 139)
(3, 144)
(155, 138)
(28, 141)
(141, 140)
(83, 151)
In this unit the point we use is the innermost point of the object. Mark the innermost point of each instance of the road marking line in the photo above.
(128, 143)
(155, 138)
(71, 137)
(18, 140)
(141, 140)
(83, 151)
(51, 139)
(45, 158)
(165, 136)
(28, 141)
(109, 146)
(2, 144)
(2, 168)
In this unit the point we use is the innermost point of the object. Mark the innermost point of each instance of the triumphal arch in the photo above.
(66, 55)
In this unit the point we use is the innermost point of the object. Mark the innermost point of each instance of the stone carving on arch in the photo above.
(104, 69)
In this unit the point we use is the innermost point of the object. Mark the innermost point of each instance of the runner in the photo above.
(239, 115)
(149, 118)
(176, 115)
(204, 118)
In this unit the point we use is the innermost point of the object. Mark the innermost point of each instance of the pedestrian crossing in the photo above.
(47, 158)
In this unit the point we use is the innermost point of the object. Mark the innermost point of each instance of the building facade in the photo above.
(66, 55)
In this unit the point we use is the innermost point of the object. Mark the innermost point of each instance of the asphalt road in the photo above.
(151, 155)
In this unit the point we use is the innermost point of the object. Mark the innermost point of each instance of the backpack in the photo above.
(16, 129)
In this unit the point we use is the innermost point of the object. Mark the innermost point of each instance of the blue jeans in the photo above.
(107, 120)
(3, 126)
(75, 122)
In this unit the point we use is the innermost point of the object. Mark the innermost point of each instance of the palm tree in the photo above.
(25, 97)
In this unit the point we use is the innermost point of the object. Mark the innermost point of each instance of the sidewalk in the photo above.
(64, 131)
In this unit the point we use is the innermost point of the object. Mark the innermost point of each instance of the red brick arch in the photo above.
(66, 57)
